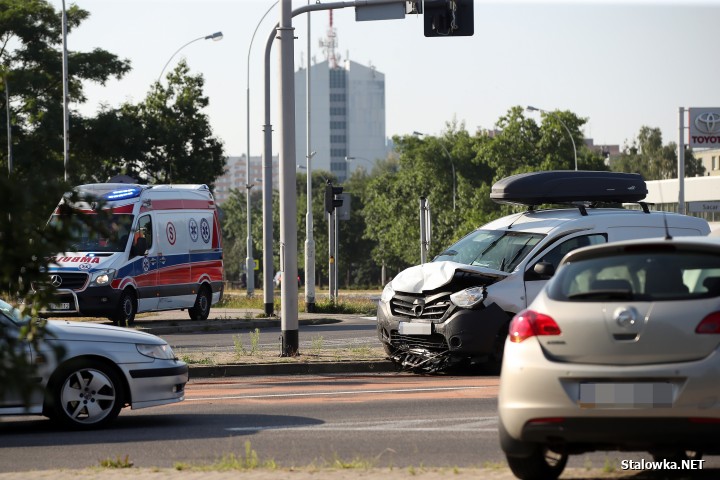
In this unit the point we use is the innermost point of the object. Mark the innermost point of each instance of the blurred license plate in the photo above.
(59, 306)
(407, 328)
(626, 395)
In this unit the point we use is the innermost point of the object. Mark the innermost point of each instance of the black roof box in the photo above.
(569, 186)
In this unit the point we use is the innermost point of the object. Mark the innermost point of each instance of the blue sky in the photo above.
(620, 64)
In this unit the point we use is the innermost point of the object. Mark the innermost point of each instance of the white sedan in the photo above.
(102, 370)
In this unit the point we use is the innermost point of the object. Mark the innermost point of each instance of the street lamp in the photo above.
(66, 95)
(9, 126)
(535, 109)
(249, 261)
(452, 165)
(350, 159)
(217, 36)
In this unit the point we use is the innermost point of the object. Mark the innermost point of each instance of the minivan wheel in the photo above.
(126, 310)
(85, 395)
(542, 464)
(201, 310)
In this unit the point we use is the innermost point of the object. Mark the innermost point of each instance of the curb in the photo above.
(316, 368)
(219, 325)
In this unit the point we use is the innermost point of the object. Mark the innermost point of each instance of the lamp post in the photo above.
(66, 111)
(9, 126)
(309, 239)
(452, 165)
(217, 36)
(350, 159)
(535, 109)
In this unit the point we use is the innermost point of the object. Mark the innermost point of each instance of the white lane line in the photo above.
(472, 424)
(345, 392)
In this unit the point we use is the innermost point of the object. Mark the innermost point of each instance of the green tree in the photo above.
(31, 62)
(178, 145)
(648, 156)
(31, 67)
(517, 145)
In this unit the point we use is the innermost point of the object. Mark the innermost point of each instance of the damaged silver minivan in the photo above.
(456, 309)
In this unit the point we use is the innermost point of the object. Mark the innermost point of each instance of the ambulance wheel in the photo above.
(201, 310)
(126, 310)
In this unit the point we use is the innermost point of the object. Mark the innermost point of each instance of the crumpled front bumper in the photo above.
(466, 333)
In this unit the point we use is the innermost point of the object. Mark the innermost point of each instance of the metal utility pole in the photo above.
(288, 197)
(249, 261)
(9, 125)
(309, 240)
(681, 162)
(332, 277)
(424, 229)
(66, 113)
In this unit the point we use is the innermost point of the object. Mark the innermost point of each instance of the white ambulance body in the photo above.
(160, 249)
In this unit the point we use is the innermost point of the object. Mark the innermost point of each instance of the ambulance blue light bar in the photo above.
(123, 193)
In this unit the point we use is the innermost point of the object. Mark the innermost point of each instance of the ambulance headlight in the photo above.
(102, 277)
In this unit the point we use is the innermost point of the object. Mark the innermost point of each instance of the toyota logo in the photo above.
(708, 122)
(55, 280)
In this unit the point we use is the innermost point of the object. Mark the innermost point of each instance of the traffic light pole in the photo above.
(288, 195)
(331, 255)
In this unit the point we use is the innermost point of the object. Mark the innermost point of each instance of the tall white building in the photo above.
(235, 176)
(347, 114)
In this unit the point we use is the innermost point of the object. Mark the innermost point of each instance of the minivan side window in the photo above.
(554, 255)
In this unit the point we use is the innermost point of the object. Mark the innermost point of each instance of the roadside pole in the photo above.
(288, 195)
(331, 256)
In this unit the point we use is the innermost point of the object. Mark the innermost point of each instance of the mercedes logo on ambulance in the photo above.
(55, 280)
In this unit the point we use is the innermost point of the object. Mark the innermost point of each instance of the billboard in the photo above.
(704, 128)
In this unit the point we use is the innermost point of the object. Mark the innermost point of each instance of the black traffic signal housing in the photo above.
(448, 18)
(333, 199)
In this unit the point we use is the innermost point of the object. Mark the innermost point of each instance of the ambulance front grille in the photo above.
(69, 280)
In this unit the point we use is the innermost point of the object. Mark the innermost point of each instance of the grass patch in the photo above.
(232, 462)
(345, 304)
(117, 462)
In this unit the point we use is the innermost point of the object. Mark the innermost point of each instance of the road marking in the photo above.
(344, 392)
(472, 424)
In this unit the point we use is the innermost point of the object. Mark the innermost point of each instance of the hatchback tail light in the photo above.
(529, 323)
(709, 324)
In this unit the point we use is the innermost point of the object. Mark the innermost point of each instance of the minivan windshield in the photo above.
(496, 249)
(109, 234)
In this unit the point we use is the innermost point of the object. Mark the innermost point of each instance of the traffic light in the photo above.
(333, 199)
(448, 18)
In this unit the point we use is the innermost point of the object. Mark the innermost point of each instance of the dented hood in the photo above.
(433, 275)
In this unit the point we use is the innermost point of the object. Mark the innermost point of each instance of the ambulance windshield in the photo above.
(104, 234)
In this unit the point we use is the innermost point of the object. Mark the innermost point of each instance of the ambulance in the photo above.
(150, 248)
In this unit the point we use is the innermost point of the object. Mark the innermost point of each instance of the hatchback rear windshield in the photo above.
(657, 276)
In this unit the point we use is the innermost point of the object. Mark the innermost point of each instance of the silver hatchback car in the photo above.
(103, 369)
(620, 351)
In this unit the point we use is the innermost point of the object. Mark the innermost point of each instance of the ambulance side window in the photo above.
(143, 239)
